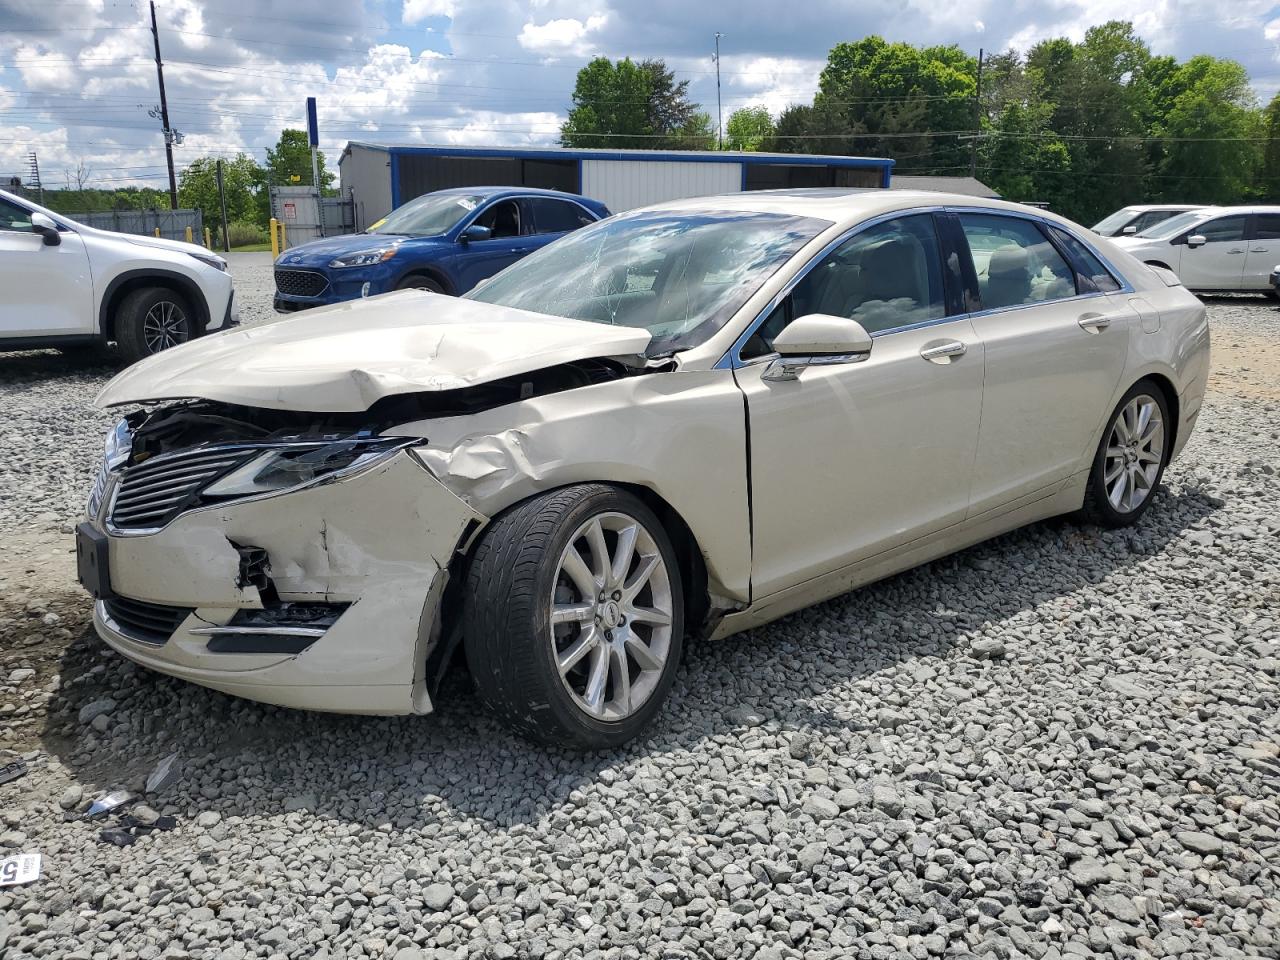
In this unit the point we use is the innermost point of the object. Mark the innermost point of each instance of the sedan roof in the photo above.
(840, 205)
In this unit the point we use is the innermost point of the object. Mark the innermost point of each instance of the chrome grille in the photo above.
(301, 283)
(145, 622)
(154, 492)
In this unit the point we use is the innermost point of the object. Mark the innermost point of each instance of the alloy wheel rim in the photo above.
(611, 612)
(1135, 450)
(164, 326)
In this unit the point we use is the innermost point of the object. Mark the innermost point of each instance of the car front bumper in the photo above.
(376, 546)
(341, 285)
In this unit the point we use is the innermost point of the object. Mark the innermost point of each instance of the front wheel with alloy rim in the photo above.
(152, 319)
(419, 281)
(1131, 457)
(574, 616)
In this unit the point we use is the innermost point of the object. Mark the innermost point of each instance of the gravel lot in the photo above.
(1065, 742)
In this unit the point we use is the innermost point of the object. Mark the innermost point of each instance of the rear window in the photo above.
(1092, 277)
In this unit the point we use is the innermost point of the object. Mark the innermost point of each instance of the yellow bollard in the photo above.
(275, 241)
(208, 239)
(284, 237)
(157, 233)
(188, 234)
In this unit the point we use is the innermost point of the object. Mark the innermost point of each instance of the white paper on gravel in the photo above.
(23, 868)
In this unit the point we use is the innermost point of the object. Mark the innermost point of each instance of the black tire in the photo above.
(418, 281)
(138, 315)
(510, 644)
(1098, 505)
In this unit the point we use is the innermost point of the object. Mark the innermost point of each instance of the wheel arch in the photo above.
(699, 619)
(1170, 393)
(1158, 263)
(432, 271)
(125, 283)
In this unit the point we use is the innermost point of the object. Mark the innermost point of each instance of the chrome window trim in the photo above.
(1044, 222)
(733, 356)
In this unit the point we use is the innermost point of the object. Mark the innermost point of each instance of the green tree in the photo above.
(244, 184)
(1267, 179)
(748, 128)
(669, 110)
(291, 157)
(894, 99)
(1208, 155)
(633, 105)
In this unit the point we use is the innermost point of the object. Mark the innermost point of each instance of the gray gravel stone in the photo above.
(849, 782)
(71, 797)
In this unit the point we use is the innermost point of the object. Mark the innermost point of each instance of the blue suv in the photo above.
(447, 242)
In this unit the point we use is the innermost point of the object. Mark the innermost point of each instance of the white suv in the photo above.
(63, 284)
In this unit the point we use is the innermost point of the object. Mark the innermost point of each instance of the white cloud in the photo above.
(415, 11)
(75, 93)
(772, 82)
(559, 37)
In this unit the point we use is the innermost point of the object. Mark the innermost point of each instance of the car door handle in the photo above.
(1093, 322)
(1235, 250)
(1259, 249)
(943, 352)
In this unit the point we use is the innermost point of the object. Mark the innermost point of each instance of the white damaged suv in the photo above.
(68, 285)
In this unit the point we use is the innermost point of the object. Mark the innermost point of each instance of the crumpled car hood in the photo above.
(346, 357)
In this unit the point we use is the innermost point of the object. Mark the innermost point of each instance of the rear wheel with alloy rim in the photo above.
(152, 319)
(574, 616)
(1131, 457)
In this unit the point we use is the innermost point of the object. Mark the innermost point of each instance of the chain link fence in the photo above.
(172, 224)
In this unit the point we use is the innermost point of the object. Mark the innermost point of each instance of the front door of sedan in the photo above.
(1218, 263)
(510, 239)
(1264, 251)
(849, 460)
(1053, 357)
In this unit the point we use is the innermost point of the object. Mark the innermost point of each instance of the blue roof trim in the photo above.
(553, 153)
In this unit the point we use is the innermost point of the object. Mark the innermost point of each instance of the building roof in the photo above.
(573, 153)
(967, 186)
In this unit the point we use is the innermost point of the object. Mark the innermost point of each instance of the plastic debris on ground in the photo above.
(23, 868)
(12, 771)
(165, 773)
(108, 802)
(161, 823)
(117, 835)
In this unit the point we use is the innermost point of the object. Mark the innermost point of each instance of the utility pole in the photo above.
(33, 174)
(719, 112)
(222, 201)
(977, 121)
(164, 114)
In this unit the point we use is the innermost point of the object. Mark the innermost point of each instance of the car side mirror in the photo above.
(475, 232)
(1196, 240)
(817, 338)
(1130, 229)
(45, 226)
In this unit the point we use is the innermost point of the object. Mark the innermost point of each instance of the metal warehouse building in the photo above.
(381, 177)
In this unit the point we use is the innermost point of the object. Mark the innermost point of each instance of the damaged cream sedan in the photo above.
(687, 420)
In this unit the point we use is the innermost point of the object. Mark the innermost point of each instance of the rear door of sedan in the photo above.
(1056, 333)
(851, 459)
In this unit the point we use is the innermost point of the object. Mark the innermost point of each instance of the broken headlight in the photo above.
(283, 468)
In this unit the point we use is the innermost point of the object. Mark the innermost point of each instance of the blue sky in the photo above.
(76, 76)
